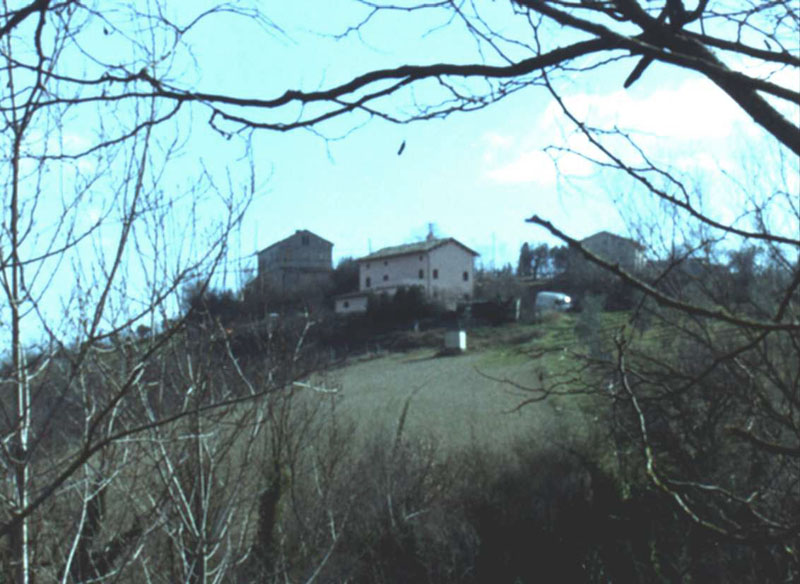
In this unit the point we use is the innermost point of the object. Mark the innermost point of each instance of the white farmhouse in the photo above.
(442, 268)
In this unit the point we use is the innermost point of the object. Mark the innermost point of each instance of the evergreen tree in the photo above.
(525, 260)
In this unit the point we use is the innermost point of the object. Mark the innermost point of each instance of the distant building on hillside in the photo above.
(442, 268)
(613, 248)
(301, 261)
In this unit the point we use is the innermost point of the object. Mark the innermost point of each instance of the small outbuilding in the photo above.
(455, 341)
(351, 303)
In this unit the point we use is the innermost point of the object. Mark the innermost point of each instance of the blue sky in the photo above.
(462, 173)
(476, 176)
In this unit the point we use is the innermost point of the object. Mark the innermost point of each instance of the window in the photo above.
(304, 239)
(368, 265)
(420, 258)
(368, 282)
(385, 263)
(465, 275)
(435, 274)
(421, 274)
(346, 304)
(385, 277)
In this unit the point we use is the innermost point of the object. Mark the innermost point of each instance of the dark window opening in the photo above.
(385, 263)
(421, 274)
(346, 304)
(304, 239)
(385, 277)
(420, 258)
(466, 276)
(368, 282)
(435, 274)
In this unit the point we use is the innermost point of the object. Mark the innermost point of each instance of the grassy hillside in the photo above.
(468, 399)
(509, 465)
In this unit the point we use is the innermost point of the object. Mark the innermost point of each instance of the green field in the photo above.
(467, 399)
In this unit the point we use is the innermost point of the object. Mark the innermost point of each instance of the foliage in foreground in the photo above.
(283, 488)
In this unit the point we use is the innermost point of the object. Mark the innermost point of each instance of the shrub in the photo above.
(588, 326)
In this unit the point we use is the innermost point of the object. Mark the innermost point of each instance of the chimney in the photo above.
(430, 236)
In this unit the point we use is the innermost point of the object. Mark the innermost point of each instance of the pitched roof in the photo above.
(613, 236)
(295, 234)
(413, 248)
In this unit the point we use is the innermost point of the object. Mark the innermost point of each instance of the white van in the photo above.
(548, 301)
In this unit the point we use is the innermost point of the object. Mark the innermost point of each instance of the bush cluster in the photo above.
(529, 515)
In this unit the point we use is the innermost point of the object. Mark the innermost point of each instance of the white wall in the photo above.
(394, 272)
(452, 261)
(352, 305)
(442, 280)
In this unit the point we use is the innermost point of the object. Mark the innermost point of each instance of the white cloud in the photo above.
(692, 116)
(494, 146)
(695, 109)
(703, 161)
(507, 164)
(534, 166)
(498, 140)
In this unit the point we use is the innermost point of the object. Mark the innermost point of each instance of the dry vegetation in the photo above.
(142, 446)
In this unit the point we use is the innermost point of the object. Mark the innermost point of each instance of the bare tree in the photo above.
(85, 256)
(739, 340)
(136, 106)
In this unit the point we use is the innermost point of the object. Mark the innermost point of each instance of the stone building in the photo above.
(300, 262)
(613, 248)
